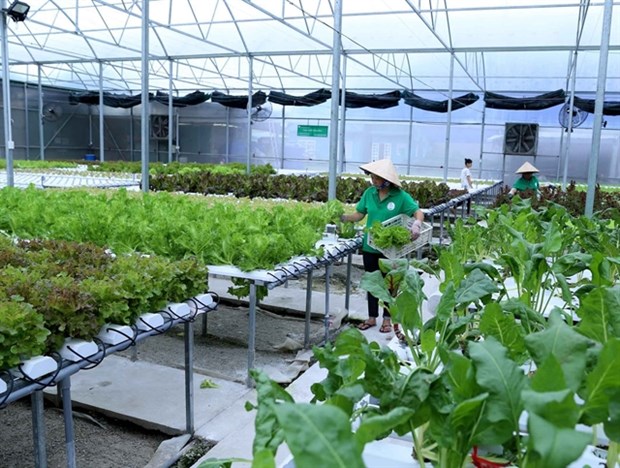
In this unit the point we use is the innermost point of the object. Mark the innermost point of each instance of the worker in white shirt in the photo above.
(466, 182)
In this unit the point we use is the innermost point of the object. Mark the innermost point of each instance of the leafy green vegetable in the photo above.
(389, 236)
(22, 332)
(206, 383)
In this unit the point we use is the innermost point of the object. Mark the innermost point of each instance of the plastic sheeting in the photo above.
(414, 100)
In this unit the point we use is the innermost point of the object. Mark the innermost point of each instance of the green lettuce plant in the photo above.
(22, 332)
(76, 288)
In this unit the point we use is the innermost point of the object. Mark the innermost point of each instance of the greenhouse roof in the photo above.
(498, 45)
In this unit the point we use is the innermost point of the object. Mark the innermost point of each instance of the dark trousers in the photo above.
(371, 263)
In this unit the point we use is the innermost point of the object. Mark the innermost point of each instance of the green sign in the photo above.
(312, 131)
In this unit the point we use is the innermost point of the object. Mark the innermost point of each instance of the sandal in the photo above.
(366, 325)
(386, 327)
(399, 334)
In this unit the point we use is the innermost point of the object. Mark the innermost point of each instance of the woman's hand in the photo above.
(415, 229)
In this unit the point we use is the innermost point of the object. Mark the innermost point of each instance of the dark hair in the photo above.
(468, 161)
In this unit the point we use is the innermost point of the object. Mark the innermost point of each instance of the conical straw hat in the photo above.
(527, 167)
(384, 169)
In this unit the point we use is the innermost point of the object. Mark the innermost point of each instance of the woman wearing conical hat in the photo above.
(527, 181)
(383, 200)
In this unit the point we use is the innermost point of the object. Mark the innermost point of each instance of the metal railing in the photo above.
(461, 207)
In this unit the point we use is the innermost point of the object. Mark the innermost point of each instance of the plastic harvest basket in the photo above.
(398, 252)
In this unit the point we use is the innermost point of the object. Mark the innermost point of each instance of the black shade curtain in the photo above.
(191, 99)
(238, 102)
(124, 101)
(542, 101)
(353, 100)
(309, 100)
(376, 101)
(587, 105)
(418, 102)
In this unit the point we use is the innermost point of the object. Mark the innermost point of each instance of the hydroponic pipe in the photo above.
(21, 390)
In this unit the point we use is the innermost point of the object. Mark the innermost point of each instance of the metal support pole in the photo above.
(40, 120)
(441, 216)
(26, 119)
(347, 294)
(101, 117)
(177, 137)
(598, 107)
(131, 137)
(282, 139)
(328, 272)
(249, 116)
(484, 114)
(333, 130)
(65, 387)
(38, 429)
(410, 145)
(189, 377)
(308, 309)
(144, 134)
(227, 135)
(446, 160)
(170, 114)
(203, 330)
(9, 144)
(343, 116)
(569, 130)
(251, 333)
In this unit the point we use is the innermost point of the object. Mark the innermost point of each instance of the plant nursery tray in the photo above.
(399, 252)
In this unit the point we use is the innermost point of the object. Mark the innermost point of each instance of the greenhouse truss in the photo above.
(499, 46)
(405, 58)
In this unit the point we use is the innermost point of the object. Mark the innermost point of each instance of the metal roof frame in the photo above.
(63, 35)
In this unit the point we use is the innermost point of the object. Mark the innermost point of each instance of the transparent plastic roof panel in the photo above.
(496, 45)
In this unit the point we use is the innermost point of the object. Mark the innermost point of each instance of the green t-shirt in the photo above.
(397, 202)
(522, 184)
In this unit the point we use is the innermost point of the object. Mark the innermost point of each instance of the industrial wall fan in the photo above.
(577, 116)
(159, 127)
(51, 112)
(521, 138)
(261, 113)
